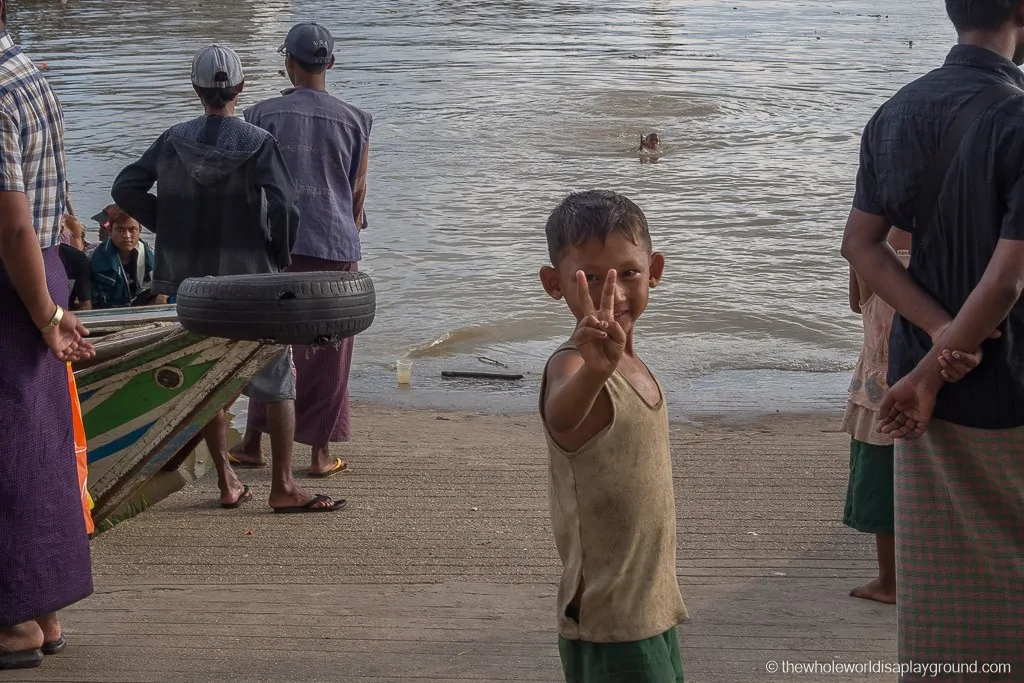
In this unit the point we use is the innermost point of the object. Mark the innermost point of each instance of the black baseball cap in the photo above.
(310, 43)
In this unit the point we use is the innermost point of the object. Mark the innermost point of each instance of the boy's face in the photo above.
(637, 272)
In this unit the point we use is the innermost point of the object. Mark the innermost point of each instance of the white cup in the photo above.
(404, 368)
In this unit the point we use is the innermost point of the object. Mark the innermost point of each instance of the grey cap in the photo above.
(216, 67)
(309, 42)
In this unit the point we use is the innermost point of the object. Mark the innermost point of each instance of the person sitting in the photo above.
(76, 263)
(122, 267)
(105, 219)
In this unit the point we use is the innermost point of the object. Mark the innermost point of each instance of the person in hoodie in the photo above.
(227, 206)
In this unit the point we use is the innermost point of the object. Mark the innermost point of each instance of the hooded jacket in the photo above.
(226, 204)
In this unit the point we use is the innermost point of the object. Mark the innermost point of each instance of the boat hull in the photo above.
(147, 407)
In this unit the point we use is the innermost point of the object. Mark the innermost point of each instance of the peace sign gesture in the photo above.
(599, 339)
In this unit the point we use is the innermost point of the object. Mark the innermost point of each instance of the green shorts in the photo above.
(869, 495)
(654, 660)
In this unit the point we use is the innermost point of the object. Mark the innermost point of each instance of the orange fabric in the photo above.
(81, 451)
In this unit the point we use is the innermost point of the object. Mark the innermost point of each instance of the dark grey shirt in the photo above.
(982, 201)
(226, 202)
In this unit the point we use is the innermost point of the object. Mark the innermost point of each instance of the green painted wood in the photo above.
(139, 395)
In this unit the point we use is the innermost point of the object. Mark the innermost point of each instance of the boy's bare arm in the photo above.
(575, 380)
(571, 394)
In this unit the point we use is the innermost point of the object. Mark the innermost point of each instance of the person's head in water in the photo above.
(218, 79)
(650, 141)
(995, 24)
(308, 53)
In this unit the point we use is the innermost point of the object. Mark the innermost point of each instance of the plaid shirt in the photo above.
(31, 141)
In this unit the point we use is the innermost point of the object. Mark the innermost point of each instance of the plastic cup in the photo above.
(404, 368)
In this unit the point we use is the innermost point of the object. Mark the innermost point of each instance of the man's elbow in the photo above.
(850, 248)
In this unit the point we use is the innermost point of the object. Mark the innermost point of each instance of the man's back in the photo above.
(980, 202)
(323, 141)
(226, 204)
(32, 160)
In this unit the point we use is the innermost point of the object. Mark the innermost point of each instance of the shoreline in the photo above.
(724, 396)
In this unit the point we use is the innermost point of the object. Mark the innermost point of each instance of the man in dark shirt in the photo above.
(960, 447)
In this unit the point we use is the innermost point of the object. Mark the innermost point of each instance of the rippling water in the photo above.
(487, 113)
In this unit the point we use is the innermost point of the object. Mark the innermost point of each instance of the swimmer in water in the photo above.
(651, 142)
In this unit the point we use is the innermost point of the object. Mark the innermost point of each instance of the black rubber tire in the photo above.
(280, 308)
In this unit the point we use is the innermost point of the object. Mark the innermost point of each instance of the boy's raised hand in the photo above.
(599, 339)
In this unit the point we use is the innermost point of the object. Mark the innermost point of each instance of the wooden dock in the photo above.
(443, 568)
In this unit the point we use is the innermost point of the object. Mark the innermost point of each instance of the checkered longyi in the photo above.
(960, 549)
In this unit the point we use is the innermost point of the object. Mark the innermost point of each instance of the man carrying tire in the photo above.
(226, 207)
(325, 143)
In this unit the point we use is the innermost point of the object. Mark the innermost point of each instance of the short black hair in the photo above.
(971, 15)
(218, 97)
(3, 12)
(594, 214)
(312, 69)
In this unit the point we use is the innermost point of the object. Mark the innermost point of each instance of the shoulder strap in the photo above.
(968, 114)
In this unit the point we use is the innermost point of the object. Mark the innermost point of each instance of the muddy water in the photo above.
(487, 113)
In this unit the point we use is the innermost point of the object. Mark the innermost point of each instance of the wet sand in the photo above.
(443, 567)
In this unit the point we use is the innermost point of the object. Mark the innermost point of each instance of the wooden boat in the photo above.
(144, 407)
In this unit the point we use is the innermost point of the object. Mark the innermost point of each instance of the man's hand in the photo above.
(599, 339)
(907, 407)
(67, 341)
(956, 364)
(160, 300)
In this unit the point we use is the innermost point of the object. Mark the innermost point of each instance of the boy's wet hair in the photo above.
(970, 15)
(594, 214)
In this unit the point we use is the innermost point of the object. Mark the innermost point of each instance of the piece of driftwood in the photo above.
(481, 375)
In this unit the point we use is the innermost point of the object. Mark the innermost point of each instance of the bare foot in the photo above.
(24, 636)
(874, 590)
(321, 467)
(231, 490)
(50, 626)
(296, 496)
(244, 455)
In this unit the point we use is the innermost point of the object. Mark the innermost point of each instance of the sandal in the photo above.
(21, 659)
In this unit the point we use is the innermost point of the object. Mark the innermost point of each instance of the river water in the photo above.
(488, 113)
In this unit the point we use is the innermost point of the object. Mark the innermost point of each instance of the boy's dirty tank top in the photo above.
(614, 517)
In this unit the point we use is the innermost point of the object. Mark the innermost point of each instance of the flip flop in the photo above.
(55, 646)
(22, 659)
(244, 496)
(339, 467)
(308, 507)
(245, 464)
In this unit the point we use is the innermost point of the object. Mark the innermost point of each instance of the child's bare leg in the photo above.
(882, 589)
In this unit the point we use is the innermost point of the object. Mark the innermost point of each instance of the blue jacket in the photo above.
(109, 283)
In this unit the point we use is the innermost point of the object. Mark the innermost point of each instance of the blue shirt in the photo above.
(322, 140)
(982, 201)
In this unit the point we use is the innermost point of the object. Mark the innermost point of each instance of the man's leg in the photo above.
(248, 453)
(275, 386)
(284, 492)
(216, 436)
